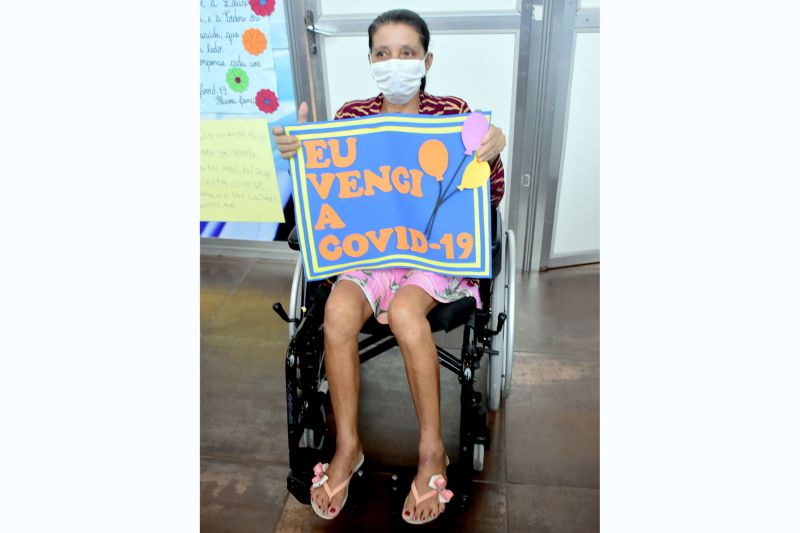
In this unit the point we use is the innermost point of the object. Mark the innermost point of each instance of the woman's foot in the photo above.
(431, 462)
(344, 461)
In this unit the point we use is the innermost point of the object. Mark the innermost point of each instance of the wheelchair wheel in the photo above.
(297, 297)
(511, 283)
(499, 384)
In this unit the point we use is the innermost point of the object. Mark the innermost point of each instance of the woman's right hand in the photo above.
(288, 145)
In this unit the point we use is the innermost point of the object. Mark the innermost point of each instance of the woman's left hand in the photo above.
(492, 144)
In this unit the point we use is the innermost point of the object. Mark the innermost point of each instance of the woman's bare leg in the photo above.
(408, 313)
(345, 313)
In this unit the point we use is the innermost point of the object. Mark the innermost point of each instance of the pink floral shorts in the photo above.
(380, 286)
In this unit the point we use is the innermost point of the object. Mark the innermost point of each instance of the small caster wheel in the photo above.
(311, 440)
(477, 457)
(463, 502)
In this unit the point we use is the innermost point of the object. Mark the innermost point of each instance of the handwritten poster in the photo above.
(237, 174)
(237, 74)
(392, 190)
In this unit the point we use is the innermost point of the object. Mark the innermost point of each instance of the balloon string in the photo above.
(452, 179)
(438, 197)
(440, 200)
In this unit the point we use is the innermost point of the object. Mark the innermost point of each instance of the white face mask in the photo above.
(398, 79)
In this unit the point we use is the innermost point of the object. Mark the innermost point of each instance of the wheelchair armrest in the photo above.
(497, 242)
(293, 241)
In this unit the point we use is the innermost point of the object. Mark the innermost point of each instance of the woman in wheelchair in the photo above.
(399, 297)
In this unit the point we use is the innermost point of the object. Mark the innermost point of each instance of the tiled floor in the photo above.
(541, 475)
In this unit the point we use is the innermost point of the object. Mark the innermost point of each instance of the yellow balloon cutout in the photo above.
(433, 158)
(475, 175)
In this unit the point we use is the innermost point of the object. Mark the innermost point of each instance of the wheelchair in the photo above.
(484, 367)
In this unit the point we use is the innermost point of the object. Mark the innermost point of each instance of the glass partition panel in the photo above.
(577, 215)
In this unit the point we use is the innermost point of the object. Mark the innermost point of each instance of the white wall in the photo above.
(577, 218)
(478, 68)
(375, 7)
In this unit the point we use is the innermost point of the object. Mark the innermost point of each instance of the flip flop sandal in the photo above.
(321, 480)
(437, 484)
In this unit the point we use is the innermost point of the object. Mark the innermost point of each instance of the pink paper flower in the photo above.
(266, 101)
(262, 8)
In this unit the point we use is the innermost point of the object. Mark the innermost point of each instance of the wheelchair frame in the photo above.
(306, 386)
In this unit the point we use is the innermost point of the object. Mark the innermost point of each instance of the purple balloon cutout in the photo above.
(475, 127)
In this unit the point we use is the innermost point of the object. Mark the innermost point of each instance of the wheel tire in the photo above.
(496, 363)
(510, 269)
(297, 296)
(477, 457)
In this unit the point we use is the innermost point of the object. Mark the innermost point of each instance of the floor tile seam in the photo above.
(283, 510)
(535, 388)
(221, 258)
(223, 338)
(554, 485)
(227, 296)
(555, 382)
(535, 353)
(290, 261)
(487, 482)
(505, 448)
(539, 354)
(241, 460)
(559, 435)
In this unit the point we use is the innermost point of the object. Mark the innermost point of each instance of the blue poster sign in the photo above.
(393, 190)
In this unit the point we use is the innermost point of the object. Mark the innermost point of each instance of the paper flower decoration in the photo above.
(266, 101)
(254, 41)
(237, 80)
(262, 8)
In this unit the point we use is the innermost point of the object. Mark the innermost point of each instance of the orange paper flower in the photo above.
(254, 41)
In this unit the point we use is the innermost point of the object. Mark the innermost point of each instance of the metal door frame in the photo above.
(563, 20)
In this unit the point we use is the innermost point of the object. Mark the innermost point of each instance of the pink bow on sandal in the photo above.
(320, 479)
(438, 484)
(319, 474)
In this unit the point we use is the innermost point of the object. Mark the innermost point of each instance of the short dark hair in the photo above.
(402, 16)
